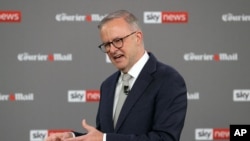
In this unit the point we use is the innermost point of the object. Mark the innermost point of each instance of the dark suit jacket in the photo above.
(154, 110)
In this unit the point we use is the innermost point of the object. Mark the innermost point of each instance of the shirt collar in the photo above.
(137, 67)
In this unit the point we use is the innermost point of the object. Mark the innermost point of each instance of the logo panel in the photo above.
(93, 95)
(38, 135)
(10, 16)
(221, 134)
(204, 134)
(174, 17)
(152, 17)
(76, 96)
(241, 95)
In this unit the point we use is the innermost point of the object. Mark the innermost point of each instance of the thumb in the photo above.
(86, 126)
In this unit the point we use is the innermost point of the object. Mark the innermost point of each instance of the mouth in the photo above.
(118, 57)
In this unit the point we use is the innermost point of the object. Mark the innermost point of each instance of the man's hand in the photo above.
(92, 135)
(59, 136)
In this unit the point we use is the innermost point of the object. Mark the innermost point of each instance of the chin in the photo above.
(120, 67)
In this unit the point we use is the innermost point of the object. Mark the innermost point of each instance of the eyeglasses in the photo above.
(117, 43)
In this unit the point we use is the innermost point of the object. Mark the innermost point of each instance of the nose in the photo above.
(112, 48)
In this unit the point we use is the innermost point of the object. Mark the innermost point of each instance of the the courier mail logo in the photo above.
(10, 16)
(158, 17)
(83, 96)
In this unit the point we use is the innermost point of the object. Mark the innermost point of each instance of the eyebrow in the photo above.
(112, 40)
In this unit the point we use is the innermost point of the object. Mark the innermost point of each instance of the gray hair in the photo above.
(127, 16)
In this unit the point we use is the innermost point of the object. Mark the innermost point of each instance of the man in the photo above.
(155, 100)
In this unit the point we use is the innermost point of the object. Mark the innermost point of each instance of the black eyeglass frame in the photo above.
(103, 47)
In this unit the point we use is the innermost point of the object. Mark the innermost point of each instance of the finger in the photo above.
(80, 138)
(58, 136)
(86, 126)
(67, 135)
(53, 138)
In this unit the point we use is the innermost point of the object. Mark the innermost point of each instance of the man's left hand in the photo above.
(92, 135)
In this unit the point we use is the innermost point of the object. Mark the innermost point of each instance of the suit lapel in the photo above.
(142, 82)
(109, 94)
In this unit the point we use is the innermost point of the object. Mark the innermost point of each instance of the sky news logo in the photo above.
(212, 134)
(83, 96)
(164, 17)
(10, 16)
(210, 57)
(241, 95)
(52, 57)
(64, 17)
(17, 97)
(40, 135)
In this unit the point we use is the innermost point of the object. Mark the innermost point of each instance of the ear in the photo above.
(139, 36)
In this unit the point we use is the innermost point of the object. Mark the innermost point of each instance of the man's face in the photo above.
(125, 57)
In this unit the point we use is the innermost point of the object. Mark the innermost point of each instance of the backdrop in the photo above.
(51, 68)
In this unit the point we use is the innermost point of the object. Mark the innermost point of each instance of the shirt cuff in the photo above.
(104, 137)
(73, 135)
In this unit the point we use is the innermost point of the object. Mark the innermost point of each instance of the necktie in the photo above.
(122, 96)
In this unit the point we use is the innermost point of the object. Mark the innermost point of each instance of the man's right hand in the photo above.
(59, 136)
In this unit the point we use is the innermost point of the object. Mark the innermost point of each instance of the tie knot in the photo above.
(126, 77)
